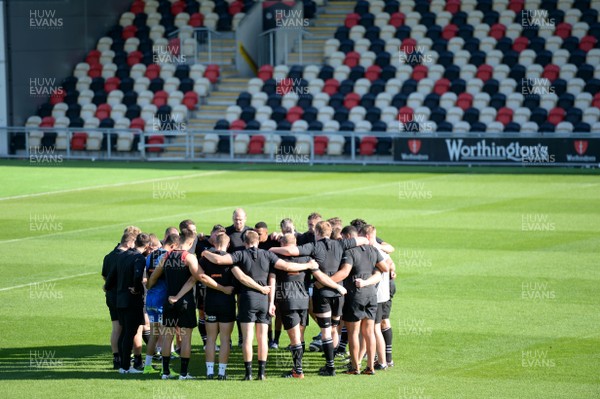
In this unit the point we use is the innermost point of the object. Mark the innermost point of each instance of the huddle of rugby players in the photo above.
(341, 277)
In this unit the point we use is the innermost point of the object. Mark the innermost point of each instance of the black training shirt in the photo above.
(236, 238)
(363, 260)
(328, 254)
(222, 275)
(256, 263)
(291, 292)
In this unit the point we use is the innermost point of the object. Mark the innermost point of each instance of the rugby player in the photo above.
(203, 244)
(109, 264)
(336, 228)
(236, 230)
(265, 241)
(219, 306)
(155, 298)
(168, 232)
(252, 267)
(291, 301)
(361, 269)
(189, 224)
(309, 235)
(384, 305)
(177, 266)
(128, 275)
(327, 303)
(384, 246)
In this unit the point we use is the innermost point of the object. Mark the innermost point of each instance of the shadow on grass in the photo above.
(95, 362)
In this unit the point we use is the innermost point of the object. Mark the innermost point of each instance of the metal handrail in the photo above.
(211, 33)
(191, 143)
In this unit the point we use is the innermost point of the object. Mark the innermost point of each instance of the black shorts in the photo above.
(254, 311)
(221, 314)
(112, 309)
(291, 318)
(323, 304)
(132, 315)
(383, 311)
(181, 314)
(353, 311)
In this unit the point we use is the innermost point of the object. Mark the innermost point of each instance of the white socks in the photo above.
(210, 368)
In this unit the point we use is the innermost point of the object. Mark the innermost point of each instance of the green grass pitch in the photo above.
(498, 275)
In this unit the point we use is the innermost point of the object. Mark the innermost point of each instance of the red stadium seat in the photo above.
(154, 140)
(331, 86)
(294, 114)
(111, 84)
(408, 45)
(153, 71)
(551, 72)
(587, 43)
(464, 101)
(237, 124)
(419, 72)
(178, 7)
(174, 46)
(256, 145)
(160, 98)
(516, 5)
(563, 30)
(449, 31)
(497, 31)
(137, 7)
(397, 19)
(265, 72)
(137, 123)
(352, 59)
(351, 20)
(321, 144)
(556, 115)
(351, 100)
(78, 141)
(504, 115)
(95, 71)
(405, 114)
(596, 100)
(190, 99)
(441, 86)
(367, 145)
(58, 97)
(135, 57)
(235, 7)
(93, 57)
(47, 121)
(103, 111)
(373, 72)
(129, 32)
(285, 86)
(520, 44)
(485, 72)
(196, 20)
(453, 6)
(212, 73)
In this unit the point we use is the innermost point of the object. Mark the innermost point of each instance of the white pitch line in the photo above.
(47, 281)
(73, 190)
